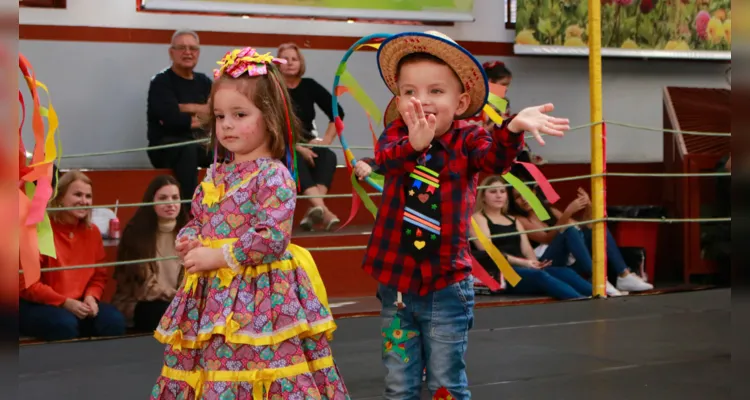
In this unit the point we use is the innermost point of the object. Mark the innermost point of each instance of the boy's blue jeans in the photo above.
(442, 320)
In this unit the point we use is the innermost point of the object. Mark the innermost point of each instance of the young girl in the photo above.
(251, 319)
(144, 291)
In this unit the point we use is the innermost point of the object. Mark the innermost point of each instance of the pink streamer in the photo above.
(543, 183)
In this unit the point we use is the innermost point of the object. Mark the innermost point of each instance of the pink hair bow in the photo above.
(247, 60)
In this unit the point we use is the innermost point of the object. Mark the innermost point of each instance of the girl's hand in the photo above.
(584, 196)
(536, 264)
(307, 154)
(77, 308)
(93, 305)
(576, 205)
(535, 120)
(203, 259)
(362, 170)
(183, 245)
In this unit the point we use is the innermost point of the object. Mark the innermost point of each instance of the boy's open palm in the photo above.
(421, 128)
(536, 121)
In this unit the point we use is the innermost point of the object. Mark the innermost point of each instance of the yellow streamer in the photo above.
(373, 45)
(359, 94)
(494, 116)
(508, 272)
(50, 148)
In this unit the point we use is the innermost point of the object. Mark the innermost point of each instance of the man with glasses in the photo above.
(177, 111)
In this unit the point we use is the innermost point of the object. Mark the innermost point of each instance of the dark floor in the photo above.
(672, 346)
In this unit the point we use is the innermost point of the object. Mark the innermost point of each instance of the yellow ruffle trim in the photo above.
(261, 379)
(301, 258)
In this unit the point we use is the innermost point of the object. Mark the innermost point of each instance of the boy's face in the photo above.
(436, 87)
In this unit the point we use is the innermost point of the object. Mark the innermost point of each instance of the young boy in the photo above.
(419, 250)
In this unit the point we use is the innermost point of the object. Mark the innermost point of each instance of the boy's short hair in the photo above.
(422, 56)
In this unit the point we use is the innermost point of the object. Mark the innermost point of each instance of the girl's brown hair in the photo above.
(293, 46)
(139, 236)
(62, 189)
(489, 181)
(269, 93)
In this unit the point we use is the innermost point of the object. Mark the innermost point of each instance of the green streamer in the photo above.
(528, 195)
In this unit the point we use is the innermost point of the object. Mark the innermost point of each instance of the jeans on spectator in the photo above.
(184, 162)
(50, 323)
(442, 321)
(147, 314)
(559, 282)
(319, 174)
(578, 243)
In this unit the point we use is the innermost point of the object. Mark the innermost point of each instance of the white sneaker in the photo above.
(612, 291)
(633, 283)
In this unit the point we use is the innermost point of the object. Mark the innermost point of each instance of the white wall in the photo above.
(99, 89)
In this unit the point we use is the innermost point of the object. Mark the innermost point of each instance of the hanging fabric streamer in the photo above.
(549, 193)
(528, 195)
(508, 272)
(35, 178)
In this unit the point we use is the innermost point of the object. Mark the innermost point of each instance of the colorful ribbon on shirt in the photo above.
(35, 233)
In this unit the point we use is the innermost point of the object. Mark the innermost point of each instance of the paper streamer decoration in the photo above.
(528, 195)
(35, 179)
(549, 193)
(508, 272)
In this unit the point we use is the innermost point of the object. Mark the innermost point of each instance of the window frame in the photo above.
(509, 24)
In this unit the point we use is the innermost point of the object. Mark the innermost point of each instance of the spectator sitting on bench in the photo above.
(537, 277)
(144, 291)
(176, 111)
(560, 244)
(66, 304)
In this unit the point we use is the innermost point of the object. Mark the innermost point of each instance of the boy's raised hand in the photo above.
(535, 120)
(421, 128)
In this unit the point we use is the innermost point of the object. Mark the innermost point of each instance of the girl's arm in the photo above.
(483, 227)
(192, 228)
(526, 248)
(271, 227)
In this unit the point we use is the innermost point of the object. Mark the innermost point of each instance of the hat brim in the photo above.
(468, 68)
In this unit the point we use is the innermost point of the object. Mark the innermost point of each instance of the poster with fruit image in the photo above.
(697, 29)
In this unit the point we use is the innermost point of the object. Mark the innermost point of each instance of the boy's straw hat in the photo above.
(468, 68)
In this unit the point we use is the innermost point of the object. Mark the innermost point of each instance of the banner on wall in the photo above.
(417, 10)
(693, 29)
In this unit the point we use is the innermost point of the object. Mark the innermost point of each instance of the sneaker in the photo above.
(612, 291)
(633, 283)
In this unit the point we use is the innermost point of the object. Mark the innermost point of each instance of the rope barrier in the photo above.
(338, 146)
(363, 247)
(376, 194)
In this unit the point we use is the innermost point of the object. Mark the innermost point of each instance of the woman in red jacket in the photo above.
(66, 304)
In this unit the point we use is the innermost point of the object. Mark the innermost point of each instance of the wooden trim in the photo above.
(43, 3)
(212, 38)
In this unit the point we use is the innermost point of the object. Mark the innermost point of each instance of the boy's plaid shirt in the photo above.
(467, 150)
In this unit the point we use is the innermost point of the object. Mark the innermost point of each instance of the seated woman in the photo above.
(66, 304)
(316, 165)
(144, 291)
(560, 244)
(537, 277)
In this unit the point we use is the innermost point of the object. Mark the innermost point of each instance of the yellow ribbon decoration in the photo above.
(211, 193)
(494, 116)
(508, 272)
(225, 274)
(231, 59)
(50, 148)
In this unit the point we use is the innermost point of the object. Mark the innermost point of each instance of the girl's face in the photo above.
(240, 127)
(292, 66)
(503, 81)
(169, 211)
(496, 197)
(521, 202)
(79, 194)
